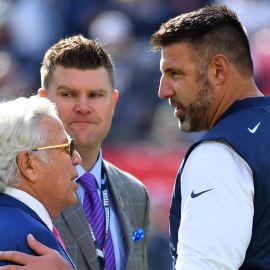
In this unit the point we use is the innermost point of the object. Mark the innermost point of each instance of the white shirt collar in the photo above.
(31, 202)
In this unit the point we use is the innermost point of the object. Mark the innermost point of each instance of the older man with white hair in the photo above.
(37, 169)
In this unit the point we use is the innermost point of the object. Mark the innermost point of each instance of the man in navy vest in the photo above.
(220, 214)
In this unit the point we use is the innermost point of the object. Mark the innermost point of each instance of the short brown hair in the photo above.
(75, 52)
(210, 30)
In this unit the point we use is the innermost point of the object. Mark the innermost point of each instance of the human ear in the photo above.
(219, 68)
(42, 92)
(27, 166)
(115, 97)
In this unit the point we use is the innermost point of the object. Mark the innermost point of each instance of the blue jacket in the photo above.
(245, 126)
(17, 220)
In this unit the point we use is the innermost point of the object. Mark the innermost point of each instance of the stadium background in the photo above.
(144, 138)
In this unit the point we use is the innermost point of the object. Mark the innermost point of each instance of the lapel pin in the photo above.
(138, 234)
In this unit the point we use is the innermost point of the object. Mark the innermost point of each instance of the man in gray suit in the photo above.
(78, 75)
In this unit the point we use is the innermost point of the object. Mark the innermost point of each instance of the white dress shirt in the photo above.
(216, 226)
(115, 229)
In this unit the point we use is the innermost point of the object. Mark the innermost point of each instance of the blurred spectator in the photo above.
(159, 257)
(188, 5)
(255, 16)
(260, 44)
(31, 29)
(13, 82)
(253, 13)
(134, 67)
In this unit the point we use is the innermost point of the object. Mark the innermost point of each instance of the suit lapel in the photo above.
(119, 201)
(74, 215)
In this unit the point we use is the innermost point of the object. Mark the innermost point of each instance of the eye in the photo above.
(96, 95)
(173, 74)
(67, 149)
(66, 94)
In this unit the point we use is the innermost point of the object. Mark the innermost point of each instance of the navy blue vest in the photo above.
(246, 127)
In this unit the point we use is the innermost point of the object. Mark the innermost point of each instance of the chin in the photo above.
(184, 126)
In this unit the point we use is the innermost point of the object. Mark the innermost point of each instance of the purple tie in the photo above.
(94, 213)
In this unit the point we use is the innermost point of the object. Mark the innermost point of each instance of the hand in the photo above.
(48, 259)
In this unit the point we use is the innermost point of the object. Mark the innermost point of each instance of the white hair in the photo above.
(20, 131)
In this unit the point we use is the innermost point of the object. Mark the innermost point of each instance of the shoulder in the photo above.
(211, 153)
(11, 217)
(25, 216)
(215, 160)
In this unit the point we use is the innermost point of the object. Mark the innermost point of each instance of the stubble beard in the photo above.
(196, 112)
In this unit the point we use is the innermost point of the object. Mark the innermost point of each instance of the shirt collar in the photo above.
(32, 203)
(96, 169)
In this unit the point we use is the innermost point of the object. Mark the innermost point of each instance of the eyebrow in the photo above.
(170, 69)
(64, 87)
(67, 88)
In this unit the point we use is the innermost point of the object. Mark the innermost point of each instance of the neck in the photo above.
(89, 156)
(228, 95)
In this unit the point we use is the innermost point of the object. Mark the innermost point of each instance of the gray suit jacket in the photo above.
(131, 203)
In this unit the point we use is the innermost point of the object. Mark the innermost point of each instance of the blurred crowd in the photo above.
(124, 27)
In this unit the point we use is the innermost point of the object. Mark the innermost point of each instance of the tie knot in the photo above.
(88, 181)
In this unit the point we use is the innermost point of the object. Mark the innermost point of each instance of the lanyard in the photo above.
(106, 205)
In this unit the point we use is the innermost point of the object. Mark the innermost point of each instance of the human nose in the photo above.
(165, 90)
(76, 158)
(82, 106)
